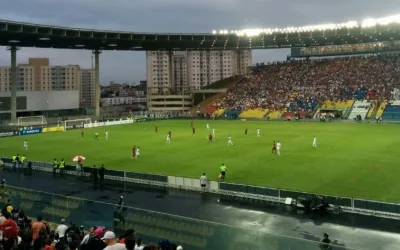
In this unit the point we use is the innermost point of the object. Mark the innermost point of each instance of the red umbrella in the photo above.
(78, 158)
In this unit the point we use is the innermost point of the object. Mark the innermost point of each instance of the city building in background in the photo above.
(44, 87)
(175, 72)
(173, 76)
(88, 87)
(118, 94)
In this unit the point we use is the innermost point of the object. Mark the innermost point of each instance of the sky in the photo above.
(176, 16)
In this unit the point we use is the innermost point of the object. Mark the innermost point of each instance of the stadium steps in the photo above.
(203, 106)
(359, 108)
(253, 113)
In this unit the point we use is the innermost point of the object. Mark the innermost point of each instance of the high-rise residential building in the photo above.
(88, 88)
(38, 75)
(193, 70)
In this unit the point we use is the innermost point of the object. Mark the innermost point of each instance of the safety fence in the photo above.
(149, 225)
(127, 178)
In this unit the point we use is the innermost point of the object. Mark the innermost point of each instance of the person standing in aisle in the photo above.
(222, 170)
(61, 166)
(101, 175)
(94, 176)
(55, 166)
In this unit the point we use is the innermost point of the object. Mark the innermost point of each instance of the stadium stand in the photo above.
(253, 113)
(360, 108)
(390, 110)
(304, 86)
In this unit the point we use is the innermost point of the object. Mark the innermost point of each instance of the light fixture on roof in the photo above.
(113, 45)
(79, 45)
(44, 39)
(13, 41)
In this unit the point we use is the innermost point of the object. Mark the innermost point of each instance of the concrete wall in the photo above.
(48, 100)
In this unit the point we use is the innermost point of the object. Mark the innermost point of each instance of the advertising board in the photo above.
(107, 123)
(7, 134)
(53, 129)
(30, 131)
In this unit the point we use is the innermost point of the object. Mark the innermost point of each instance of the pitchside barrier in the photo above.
(228, 190)
(151, 226)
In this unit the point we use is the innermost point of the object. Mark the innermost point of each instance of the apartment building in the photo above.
(88, 88)
(184, 70)
(39, 75)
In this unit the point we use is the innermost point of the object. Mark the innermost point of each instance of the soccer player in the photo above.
(278, 148)
(193, 131)
(210, 138)
(137, 152)
(96, 136)
(26, 145)
(230, 143)
(106, 134)
(258, 132)
(208, 127)
(82, 133)
(245, 131)
(274, 147)
(213, 132)
(168, 137)
(156, 128)
(134, 152)
(314, 143)
(191, 124)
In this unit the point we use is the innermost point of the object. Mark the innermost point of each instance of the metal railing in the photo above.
(150, 225)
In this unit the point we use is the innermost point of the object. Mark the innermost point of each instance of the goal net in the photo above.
(32, 120)
(78, 123)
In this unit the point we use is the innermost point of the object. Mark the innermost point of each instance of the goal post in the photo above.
(32, 120)
(77, 123)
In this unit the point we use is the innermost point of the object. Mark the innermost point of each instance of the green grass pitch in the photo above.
(353, 160)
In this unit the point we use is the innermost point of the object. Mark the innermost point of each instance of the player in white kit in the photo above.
(168, 138)
(26, 145)
(278, 148)
(208, 126)
(230, 143)
(106, 135)
(314, 143)
(213, 132)
(137, 152)
(258, 133)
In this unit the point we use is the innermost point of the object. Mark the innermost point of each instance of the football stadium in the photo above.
(308, 144)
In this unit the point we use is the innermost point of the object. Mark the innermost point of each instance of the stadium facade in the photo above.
(16, 35)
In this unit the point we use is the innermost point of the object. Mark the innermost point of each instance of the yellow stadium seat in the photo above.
(381, 108)
(218, 112)
(337, 105)
(274, 114)
(371, 110)
(253, 113)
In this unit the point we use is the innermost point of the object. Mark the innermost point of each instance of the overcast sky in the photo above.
(176, 16)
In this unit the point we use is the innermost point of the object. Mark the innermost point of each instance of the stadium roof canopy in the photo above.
(45, 36)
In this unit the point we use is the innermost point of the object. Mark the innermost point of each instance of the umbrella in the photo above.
(78, 158)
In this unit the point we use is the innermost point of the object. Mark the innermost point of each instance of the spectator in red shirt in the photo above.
(9, 227)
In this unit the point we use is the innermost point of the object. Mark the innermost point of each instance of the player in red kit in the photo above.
(191, 124)
(133, 152)
(193, 131)
(210, 138)
(156, 128)
(82, 133)
(245, 131)
(274, 147)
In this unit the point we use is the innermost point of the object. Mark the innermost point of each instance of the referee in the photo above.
(222, 171)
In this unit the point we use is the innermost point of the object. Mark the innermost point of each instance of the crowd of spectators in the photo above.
(299, 85)
(18, 232)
